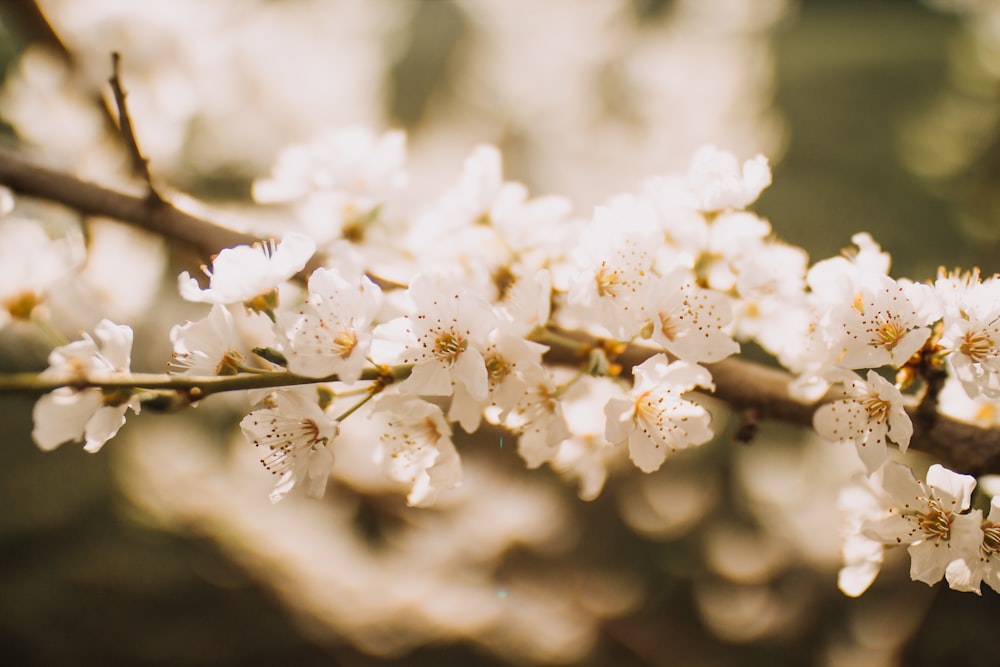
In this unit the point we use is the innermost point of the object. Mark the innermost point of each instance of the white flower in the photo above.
(510, 360)
(332, 332)
(246, 273)
(31, 264)
(615, 267)
(716, 181)
(298, 435)
(886, 324)
(656, 420)
(967, 574)
(928, 517)
(447, 333)
(92, 415)
(338, 181)
(971, 331)
(208, 346)
(862, 555)
(537, 419)
(873, 413)
(416, 448)
(689, 321)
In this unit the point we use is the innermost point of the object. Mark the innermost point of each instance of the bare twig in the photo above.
(140, 164)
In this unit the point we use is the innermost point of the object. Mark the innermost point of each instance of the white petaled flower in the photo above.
(717, 181)
(873, 413)
(656, 420)
(690, 321)
(250, 274)
(969, 573)
(332, 332)
(615, 267)
(886, 324)
(31, 264)
(971, 331)
(208, 346)
(448, 330)
(509, 360)
(929, 518)
(537, 419)
(416, 448)
(339, 181)
(297, 435)
(92, 415)
(862, 555)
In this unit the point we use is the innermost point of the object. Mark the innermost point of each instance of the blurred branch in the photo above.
(157, 216)
(31, 22)
(140, 164)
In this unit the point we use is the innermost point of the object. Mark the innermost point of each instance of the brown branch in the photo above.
(744, 385)
(159, 217)
(749, 386)
(140, 164)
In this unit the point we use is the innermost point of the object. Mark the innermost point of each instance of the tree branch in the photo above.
(741, 384)
(159, 217)
(140, 164)
(749, 386)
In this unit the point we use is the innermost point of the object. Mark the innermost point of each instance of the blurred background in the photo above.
(877, 115)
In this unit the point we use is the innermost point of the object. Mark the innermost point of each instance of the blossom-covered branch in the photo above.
(510, 311)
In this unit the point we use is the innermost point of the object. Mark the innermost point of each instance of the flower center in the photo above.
(876, 407)
(936, 523)
(991, 540)
(21, 305)
(668, 327)
(889, 333)
(608, 281)
(449, 345)
(498, 368)
(976, 345)
(285, 445)
(344, 342)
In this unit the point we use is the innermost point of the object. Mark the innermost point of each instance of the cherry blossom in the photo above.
(92, 415)
(971, 331)
(416, 448)
(873, 414)
(885, 325)
(208, 346)
(690, 322)
(331, 333)
(339, 181)
(31, 264)
(446, 336)
(928, 517)
(297, 436)
(983, 564)
(250, 274)
(656, 420)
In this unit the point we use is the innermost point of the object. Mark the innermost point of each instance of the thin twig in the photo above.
(140, 164)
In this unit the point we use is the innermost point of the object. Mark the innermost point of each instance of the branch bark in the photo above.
(157, 216)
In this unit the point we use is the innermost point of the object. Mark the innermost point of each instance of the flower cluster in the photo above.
(945, 539)
(493, 307)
